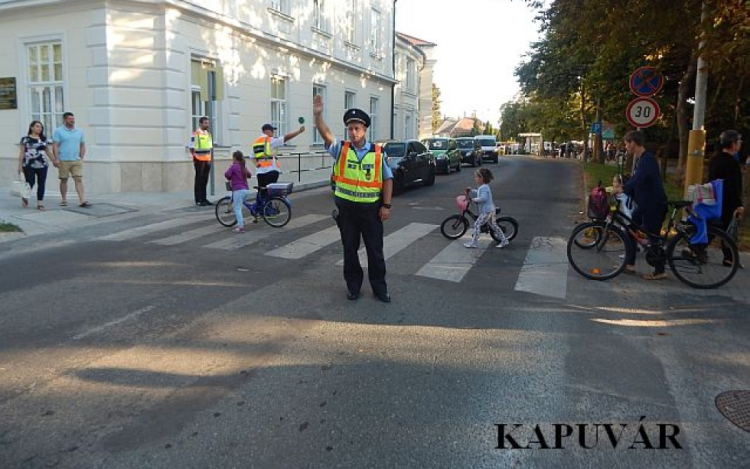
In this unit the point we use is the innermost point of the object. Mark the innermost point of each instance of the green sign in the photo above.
(8, 97)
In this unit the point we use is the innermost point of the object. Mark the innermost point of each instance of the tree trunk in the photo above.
(683, 131)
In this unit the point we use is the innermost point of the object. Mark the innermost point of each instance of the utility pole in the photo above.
(697, 138)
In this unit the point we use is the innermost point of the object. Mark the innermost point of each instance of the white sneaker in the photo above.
(504, 243)
(470, 245)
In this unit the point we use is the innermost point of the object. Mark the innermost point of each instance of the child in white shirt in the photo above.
(486, 209)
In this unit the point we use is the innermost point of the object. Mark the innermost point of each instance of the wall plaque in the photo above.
(8, 98)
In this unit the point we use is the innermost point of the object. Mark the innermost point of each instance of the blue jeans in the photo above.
(238, 197)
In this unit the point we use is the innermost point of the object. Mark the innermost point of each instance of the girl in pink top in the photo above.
(238, 174)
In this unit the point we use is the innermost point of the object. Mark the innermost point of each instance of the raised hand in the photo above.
(318, 105)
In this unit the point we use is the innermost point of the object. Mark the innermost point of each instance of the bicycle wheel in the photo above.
(509, 225)
(702, 265)
(454, 226)
(225, 212)
(598, 259)
(277, 212)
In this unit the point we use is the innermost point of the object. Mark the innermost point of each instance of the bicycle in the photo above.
(598, 249)
(275, 209)
(456, 226)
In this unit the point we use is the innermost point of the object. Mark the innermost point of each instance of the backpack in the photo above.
(598, 206)
(702, 194)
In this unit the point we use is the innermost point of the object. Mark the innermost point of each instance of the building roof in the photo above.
(415, 41)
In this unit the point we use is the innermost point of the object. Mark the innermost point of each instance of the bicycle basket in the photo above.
(280, 189)
(462, 202)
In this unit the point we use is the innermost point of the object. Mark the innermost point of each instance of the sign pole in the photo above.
(697, 138)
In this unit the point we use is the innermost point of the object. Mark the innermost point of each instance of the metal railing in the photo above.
(306, 161)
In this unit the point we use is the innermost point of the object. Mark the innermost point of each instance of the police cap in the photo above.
(356, 115)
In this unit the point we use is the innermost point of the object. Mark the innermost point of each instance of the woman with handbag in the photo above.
(32, 162)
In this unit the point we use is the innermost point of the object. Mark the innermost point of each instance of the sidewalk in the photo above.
(107, 207)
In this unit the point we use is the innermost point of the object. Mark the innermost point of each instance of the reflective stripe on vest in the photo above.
(358, 181)
(202, 145)
(262, 152)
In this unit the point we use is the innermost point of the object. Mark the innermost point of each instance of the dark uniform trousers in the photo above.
(202, 171)
(265, 179)
(357, 220)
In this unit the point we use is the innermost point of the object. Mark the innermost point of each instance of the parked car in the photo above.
(470, 152)
(488, 146)
(445, 152)
(410, 162)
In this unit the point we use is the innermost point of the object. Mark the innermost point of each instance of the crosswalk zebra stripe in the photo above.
(189, 235)
(545, 270)
(455, 261)
(307, 245)
(397, 241)
(152, 228)
(258, 232)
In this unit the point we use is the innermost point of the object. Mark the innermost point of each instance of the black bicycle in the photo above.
(456, 225)
(598, 249)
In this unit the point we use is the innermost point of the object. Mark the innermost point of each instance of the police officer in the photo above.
(264, 149)
(364, 185)
(201, 145)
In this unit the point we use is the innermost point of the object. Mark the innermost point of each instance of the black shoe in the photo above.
(384, 297)
(352, 296)
(206, 203)
(197, 204)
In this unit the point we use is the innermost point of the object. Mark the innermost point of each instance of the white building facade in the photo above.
(139, 73)
(412, 110)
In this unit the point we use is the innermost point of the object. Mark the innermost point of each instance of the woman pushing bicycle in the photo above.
(486, 206)
(237, 175)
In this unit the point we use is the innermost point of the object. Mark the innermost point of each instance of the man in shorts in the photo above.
(70, 149)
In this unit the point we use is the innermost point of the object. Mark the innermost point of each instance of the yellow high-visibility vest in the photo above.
(359, 181)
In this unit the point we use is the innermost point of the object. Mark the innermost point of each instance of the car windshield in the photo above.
(486, 142)
(465, 143)
(437, 144)
(395, 150)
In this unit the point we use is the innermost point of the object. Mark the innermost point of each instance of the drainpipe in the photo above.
(393, 68)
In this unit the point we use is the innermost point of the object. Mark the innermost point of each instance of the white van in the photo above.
(489, 147)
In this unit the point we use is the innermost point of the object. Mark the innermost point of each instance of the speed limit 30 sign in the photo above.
(642, 112)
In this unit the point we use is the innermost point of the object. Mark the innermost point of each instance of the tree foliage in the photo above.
(589, 48)
(437, 118)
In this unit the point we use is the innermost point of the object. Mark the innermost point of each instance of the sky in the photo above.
(479, 45)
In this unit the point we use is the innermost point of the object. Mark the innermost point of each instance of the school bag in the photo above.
(598, 206)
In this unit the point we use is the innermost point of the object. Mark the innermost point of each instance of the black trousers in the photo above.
(265, 179)
(650, 219)
(202, 171)
(357, 221)
(38, 174)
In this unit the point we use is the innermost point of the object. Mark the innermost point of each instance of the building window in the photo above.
(351, 22)
(198, 107)
(278, 104)
(319, 90)
(349, 102)
(206, 90)
(281, 6)
(407, 126)
(46, 84)
(374, 108)
(375, 32)
(319, 15)
(411, 75)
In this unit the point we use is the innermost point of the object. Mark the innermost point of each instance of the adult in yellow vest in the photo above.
(264, 148)
(364, 186)
(201, 146)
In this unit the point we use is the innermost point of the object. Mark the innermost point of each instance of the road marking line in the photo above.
(189, 235)
(127, 317)
(397, 241)
(545, 270)
(307, 245)
(152, 228)
(455, 261)
(256, 233)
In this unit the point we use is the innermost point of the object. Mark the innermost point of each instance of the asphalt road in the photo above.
(153, 343)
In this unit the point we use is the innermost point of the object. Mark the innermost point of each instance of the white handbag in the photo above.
(20, 188)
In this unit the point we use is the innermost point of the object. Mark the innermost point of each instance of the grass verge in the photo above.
(8, 227)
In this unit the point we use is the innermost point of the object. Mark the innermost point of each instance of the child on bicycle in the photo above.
(626, 202)
(485, 207)
(237, 175)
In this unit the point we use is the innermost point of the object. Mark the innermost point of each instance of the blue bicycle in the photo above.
(274, 208)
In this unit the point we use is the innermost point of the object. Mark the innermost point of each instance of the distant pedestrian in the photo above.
(485, 208)
(264, 149)
(201, 147)
(70, 150)
(32, 162)
(237, 175)
(723, 165)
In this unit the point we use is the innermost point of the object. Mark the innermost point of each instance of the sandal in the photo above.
(24, 202)
(655, 276)
(63, 203)
(629, 269)
(40, 208)
(84, 205)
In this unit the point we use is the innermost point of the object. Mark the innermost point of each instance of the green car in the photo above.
(446, 154)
